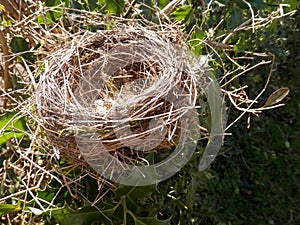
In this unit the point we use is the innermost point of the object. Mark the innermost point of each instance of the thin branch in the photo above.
(169, 8)
(246, 70)
(130, 8)
(252, 14)
(257, 97)
(6, 72)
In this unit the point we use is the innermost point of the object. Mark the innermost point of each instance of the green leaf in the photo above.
(46, 194)
(293, 4)
(191, 196)
(12, 126)
(162, 3)
(150, 220)
(85, 216)
(51, 16)
(93, 4)
(52, 2)
(257, 4)
(134, 195)
(134, 192)
(7, 208)
(236, 17)
(277, 96)
(18, 45)
(182, 12)
(115, 7)
(196, 41)
(76, 5)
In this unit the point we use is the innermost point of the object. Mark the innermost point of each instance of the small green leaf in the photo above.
(18, 45)
(277, 96)
(46, 194)
(162, 3)
(92, 5)
(236, 17)
(11, 126)
(258, 4)
(115, 7)
(7, 208)
(76, 5)
(52, 2)
(182, 12)
(196, 41)
(85, 216)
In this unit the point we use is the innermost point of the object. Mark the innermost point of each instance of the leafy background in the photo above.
(255, 178)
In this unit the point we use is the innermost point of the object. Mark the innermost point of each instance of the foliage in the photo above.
(255, 180)
(14, 126)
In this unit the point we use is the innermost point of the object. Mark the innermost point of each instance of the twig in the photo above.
(257, 97)
(6, 72)
(252, 14)
(37, 166)
(18, 193)
(246, 70)
(169, 8)
(220, 45)
(130, 8)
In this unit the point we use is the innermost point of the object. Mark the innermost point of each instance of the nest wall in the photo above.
(111, 86)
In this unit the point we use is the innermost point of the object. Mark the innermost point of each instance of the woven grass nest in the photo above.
(117, 86)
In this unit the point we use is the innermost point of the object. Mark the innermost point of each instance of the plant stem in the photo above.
(125, 210)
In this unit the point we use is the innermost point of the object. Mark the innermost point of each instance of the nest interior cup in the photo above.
(129, 88)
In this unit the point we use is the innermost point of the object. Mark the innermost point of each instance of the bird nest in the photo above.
(120, 93)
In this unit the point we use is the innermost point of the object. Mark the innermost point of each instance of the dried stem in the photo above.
(7, 63)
